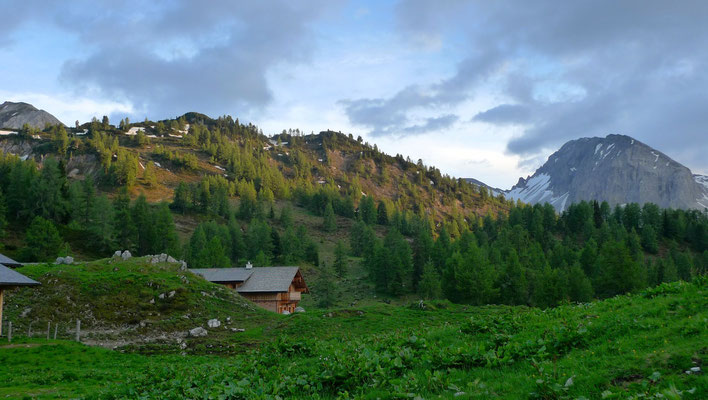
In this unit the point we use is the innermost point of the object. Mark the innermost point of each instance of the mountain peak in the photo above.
(13, 115)
(617, 168)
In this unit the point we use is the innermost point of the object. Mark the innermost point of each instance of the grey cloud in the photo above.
(638, 64)
(432, 124)
(504, 114)
(169, 58)
(393, 116)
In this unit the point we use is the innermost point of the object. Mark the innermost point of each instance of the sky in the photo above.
(482, 89)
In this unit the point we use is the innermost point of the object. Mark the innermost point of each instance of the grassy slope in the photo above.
(629, 345)
(119, 302)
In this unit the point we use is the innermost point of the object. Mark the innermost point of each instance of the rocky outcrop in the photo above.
(617, 169)
(15, 115)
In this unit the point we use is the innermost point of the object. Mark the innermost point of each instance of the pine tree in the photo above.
(512, 284)
(181, 198)
(618, 273)
(326, 290)
(329, 223)
(367, 211)
(149, 175)
(124, 226)
(430, 286)
(579, 286)
(166, 240)
(142, 218)
(101, 226)
(286, 216)
(382, 213)
(43, 242)
(649, 239)
(340, 259)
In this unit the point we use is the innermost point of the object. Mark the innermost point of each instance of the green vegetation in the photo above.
(616, 348)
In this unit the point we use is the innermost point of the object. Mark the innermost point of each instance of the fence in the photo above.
(49, 330)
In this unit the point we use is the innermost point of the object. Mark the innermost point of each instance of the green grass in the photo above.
(126, 301)
(635, 346)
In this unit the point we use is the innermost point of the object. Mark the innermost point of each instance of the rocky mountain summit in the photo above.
(15, 115)
(617, 169)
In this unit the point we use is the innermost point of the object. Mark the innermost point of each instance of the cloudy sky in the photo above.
(483, 89)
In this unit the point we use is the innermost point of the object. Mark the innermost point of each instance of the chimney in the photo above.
(249, 265)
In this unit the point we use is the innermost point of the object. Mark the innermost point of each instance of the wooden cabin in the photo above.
(10, 279)
(276, 289)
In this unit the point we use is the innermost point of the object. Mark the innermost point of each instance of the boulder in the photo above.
(299, 309)
(171, 293)
(285, 312)
(117, 254)
(171, 259)
(68, 260)
(198, 332)
(126, 255)
(213, 323)
(183, 265)
(59, 260)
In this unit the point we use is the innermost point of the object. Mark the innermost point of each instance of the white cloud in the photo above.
(69, 108)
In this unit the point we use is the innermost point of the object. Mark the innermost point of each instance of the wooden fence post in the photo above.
(78, 330)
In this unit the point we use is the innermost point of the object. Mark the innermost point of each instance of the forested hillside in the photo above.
(218, 193)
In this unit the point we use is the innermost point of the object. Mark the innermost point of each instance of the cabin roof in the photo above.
(9, 277)
(259, 279)
(223, 274)
(8, 262)
(269, 279)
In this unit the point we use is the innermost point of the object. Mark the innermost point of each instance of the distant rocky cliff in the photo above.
(15, 115)
(617, 169)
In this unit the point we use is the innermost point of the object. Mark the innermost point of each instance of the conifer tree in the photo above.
(149, 175)
(382, 214)
(329, 222)
(43, 242)
(430, 286)
(124, 226)
(340, 259)
(326, 289)
(101, 226)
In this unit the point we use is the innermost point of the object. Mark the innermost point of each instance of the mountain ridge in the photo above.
(15, 115)
(618, 169)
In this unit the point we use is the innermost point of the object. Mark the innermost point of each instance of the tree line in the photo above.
(534, 257)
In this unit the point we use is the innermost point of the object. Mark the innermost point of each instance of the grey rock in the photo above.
(171, 259)
(617, 169)
(183, 265)
(59, 260)
(152, 301)
(117, 254)
(198, 332)
(14, 115)
(213, 323)
(299, 309)
(171, 293)
(68, 260)
(162, 295)
(285, 312)
(126, 255)
(238, 330)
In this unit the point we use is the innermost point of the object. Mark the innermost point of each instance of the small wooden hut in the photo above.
(10, 279)
(276, 289)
